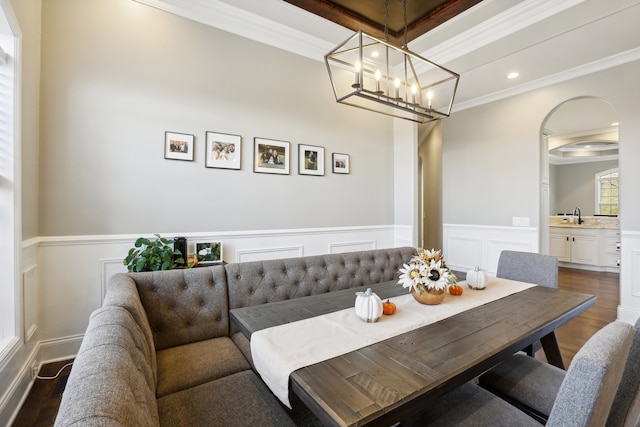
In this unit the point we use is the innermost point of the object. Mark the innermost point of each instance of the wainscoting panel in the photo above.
(336, 248)
(109, 267)
(30, 302)
(465, 246)
(269, 253)
(629, 308)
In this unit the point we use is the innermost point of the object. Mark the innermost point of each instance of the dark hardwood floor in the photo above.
(41, 406)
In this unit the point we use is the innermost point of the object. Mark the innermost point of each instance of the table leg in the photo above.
(552, 350)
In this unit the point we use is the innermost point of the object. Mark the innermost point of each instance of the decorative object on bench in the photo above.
(427, 276)
(476, 278)
(152, 255)
(368, 306)
(208, 253)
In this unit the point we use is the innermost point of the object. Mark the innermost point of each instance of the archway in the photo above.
(579, 141)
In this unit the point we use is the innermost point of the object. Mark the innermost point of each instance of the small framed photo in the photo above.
(223, 150)
(270, 156)
(311, 160)
(178, 146)
(209, 253)
(340, 163)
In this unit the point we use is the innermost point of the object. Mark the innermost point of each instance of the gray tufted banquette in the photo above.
(168, 335)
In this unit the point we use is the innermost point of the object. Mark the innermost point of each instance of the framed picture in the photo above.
(209, 252)
(178, 146)
(340, 163)
(310, 160)
(270, 156)
(223, 150)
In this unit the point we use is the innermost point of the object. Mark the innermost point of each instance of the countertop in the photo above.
(610, 223)
(569, 225)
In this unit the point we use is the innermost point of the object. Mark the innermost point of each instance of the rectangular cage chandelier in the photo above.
(372, 74)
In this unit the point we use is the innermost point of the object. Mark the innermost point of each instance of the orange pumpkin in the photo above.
(455, 289)
(192, 261)
(388, 307)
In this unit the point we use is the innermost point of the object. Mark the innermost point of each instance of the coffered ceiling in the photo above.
(375, 16)
(545, 41)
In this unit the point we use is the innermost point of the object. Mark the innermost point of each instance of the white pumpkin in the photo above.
(368, 306)
(476, 278)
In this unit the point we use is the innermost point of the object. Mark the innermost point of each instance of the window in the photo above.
(9, 230)
(607, 191)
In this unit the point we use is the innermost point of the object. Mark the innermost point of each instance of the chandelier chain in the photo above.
(386, 20)
(404, 16)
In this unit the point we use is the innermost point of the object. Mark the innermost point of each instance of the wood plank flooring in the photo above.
(41, 406)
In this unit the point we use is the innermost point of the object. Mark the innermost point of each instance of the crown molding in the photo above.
(237, 21)
(498, 27)
(583, 70)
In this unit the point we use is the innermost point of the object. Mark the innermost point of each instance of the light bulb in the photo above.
(357, 66)
(378, 75)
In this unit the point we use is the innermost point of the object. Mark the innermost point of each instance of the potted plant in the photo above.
(153, 254)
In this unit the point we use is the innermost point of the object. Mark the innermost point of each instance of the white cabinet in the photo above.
(577, 245)
(560, 246)
(609, 248)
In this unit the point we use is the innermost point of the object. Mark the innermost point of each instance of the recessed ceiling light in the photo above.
(615, 124)
(513, 75)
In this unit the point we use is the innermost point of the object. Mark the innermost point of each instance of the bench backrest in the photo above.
(259, 282)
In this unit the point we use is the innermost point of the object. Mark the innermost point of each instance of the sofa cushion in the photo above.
(111, 383)
(240, 399)
(193, 364)
(185, 305)
(122, 292)
(259, 282)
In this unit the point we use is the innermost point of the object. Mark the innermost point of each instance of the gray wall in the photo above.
(430, 152)
(574, 185)
(491, 153)
(117, 74)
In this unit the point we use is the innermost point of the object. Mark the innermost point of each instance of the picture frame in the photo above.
(208, 253)
(270, 156)
(222, 150)
(340, 163)
(310, 160)
(178, 146)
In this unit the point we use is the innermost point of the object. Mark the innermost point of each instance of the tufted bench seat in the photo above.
(161, 350)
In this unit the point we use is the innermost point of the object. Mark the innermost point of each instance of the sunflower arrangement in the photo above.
(426, 271)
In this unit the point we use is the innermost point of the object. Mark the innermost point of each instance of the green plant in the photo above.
(152, 255)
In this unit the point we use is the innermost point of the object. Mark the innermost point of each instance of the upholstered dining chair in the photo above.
(529, 267)
(533, 385)
(584, 399)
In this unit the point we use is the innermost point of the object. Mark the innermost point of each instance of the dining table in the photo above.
(378, 383)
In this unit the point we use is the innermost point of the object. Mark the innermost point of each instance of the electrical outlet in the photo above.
(34, 370)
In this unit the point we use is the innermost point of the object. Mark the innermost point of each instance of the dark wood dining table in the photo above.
(383, 382)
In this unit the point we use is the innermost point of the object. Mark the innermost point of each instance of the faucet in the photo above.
(577, 209)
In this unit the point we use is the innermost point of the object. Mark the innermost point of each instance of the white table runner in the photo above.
(280, 350)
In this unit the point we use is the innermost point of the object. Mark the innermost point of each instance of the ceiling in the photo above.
(545, 41)
(381, 18)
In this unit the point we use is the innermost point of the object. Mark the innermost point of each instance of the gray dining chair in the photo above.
(584, 399)
(533, 385)
(529, 267)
